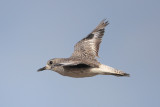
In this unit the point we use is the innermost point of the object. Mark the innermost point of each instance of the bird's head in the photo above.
(49, 65)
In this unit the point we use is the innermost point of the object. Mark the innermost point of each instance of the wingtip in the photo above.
(105, 21)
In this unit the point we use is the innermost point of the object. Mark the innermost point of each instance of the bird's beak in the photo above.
(41, 69)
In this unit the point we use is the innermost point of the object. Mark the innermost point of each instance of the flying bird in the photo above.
(83, 62)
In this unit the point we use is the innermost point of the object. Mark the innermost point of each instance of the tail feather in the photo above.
(119, 73)
(107, 70)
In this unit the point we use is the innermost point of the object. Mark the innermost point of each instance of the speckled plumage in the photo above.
(88, 47)
(83, 62)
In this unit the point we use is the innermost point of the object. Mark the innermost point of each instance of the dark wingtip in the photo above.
(105, 21)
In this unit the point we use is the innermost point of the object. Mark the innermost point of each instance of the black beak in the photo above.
(41, 69)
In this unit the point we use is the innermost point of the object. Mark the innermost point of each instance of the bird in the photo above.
(83, 61)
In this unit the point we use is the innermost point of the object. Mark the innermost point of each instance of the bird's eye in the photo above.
(50, 62)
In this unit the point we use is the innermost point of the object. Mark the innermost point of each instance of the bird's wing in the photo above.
(88, 47)
(76, 62)
(70, 63)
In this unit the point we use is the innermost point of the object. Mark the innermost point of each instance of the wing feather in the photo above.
(74, 62)
(88, 47)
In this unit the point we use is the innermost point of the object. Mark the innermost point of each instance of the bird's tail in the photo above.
(119, 73)
(112, 71)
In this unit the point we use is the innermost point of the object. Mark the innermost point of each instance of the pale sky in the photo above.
(34, 31)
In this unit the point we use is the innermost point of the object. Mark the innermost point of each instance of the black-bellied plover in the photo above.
(83, 62)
